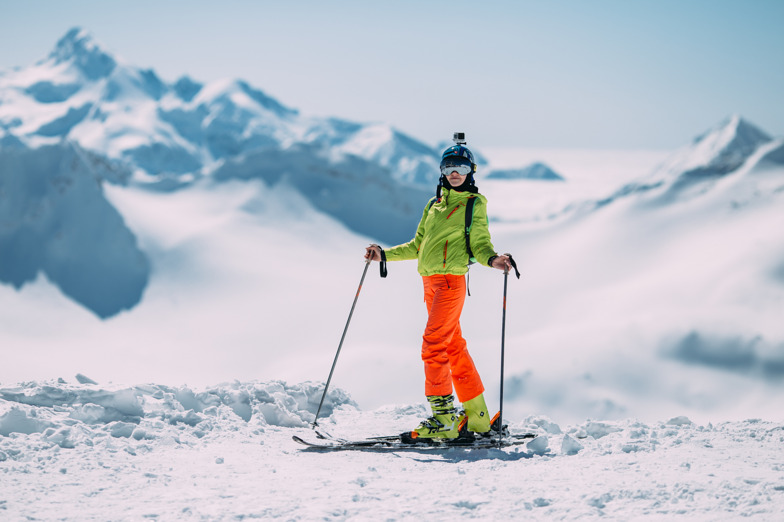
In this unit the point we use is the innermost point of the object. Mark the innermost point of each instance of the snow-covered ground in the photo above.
(85, 452)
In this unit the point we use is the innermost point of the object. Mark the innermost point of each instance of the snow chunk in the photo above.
(62, 437)
(569, 446)
(17, 420)
(83, 379)
(680, 421)
(597, 430)
(539, 445)
(122, 429)
(545, 424)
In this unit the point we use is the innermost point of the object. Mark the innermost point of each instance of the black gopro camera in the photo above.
(459, 138)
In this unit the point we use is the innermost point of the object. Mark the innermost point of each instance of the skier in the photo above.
(444, 249)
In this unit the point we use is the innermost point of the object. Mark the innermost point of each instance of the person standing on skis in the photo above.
(441, 248)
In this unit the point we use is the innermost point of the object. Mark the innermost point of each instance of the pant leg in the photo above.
(444, 351)
(465, 376)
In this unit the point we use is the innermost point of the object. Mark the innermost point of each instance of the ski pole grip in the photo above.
(514, 265)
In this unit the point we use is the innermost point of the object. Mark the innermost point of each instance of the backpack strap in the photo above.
(469, 221)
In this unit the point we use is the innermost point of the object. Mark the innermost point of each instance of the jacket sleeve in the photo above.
(409, 250)
(481, 244)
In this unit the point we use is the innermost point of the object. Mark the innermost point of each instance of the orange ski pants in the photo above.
(444, 350)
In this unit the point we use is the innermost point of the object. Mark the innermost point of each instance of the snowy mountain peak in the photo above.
(733, 135)
(265, 101)
(721, 149)
(80, 48)
(235, 95)
(186, 88)
(694, 169)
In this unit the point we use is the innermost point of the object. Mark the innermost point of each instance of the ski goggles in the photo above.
(462, 166)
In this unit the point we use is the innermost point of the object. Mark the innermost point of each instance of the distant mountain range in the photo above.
(165, 136)
(174, 133)
(82, 114)
(82, 117)
(537, 171)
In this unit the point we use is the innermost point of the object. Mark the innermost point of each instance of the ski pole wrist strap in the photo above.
(382, 265)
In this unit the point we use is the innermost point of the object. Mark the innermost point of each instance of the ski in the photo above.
(396, 443)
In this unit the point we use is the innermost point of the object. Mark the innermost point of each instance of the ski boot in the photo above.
(481, 428)
(444, 424)
(477, 415)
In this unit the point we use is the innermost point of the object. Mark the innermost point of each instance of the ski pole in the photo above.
(326, 387)
(503, 339)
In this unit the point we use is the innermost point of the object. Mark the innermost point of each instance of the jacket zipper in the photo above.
(445, 246)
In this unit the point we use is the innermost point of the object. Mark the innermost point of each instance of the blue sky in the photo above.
(562, 74)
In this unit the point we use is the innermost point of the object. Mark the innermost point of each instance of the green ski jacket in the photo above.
(439, 245)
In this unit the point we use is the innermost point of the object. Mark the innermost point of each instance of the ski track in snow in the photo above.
(86, 452)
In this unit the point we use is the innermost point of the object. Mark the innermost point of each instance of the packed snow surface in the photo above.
(87, 452)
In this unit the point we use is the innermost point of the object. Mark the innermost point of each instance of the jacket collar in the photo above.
(454, 195)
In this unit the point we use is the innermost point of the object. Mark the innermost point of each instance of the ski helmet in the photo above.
(458, 155)
(457, 158)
